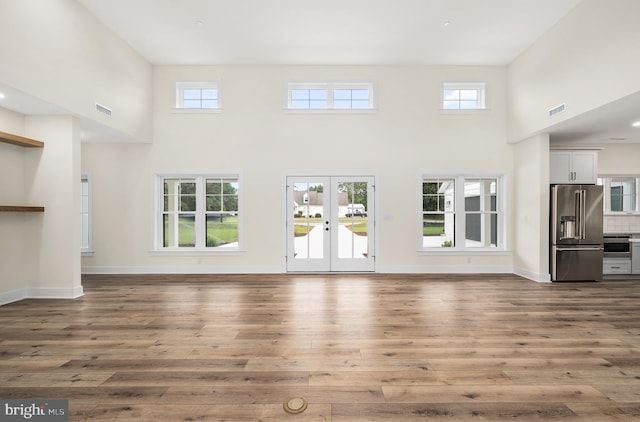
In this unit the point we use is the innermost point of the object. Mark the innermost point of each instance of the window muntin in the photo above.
(357, 98)
(463, 96)
(221, 207)
(198, 95)
(330, 96)
(199, 213)
(621, 193)
(309, 98)
(481, 213)
(461, 213)
(86, 244)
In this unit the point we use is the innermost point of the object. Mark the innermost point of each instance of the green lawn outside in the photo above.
(218, 233)
(433, 230)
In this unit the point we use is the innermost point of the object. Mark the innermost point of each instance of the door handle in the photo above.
(578, 249)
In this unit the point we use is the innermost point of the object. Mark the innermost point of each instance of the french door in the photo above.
(330, 223)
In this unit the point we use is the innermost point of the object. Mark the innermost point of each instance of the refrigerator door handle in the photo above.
(582, 198)
(581, 217)
(597, 248)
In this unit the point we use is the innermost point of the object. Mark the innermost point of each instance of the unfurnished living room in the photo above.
(354, 210)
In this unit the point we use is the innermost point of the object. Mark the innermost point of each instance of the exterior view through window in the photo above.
(200, 212)
(330, 223)
(460, 213)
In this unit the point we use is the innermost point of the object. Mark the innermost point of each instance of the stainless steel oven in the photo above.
(617, 245)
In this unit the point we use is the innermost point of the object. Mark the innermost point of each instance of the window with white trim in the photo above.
(463, 96)
(621, 193)
(198, 212)
(330, 96)
(193, 95)
(462, 213)
(86, 244)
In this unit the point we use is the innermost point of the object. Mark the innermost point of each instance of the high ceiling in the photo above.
(346, 32)
(330, 32)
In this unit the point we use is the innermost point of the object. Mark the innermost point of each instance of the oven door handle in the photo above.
(578, 249)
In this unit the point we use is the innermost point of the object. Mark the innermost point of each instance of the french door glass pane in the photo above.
(308, 220)
(353, 220)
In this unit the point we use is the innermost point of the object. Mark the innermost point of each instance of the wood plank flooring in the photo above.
(356, 347)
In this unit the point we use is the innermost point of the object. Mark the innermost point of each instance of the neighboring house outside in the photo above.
(310, 203)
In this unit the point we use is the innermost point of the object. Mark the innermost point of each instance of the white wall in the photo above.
(253, 135)
(56, 51)
(39, 252)
(53, 180)
(620, 159)
(589, 59)
(531, 203)
(18, 264)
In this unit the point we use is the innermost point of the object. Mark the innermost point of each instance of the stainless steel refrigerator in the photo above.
(576, 232)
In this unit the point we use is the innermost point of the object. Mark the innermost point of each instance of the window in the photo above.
(198, 213)
(198, 96)
(86, 246)
(461, 213)
(330, 96)
(463, 96)
(621, 193)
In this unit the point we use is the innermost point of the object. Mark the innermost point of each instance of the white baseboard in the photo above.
(539, 277)
(446, 269)
(12, 296)
(40, 293)
(218, 269)
(466, 269)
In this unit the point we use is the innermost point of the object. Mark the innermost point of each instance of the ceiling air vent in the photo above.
(102, 109)
(557, 109)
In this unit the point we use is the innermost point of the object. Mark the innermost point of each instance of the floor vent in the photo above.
(102, 109)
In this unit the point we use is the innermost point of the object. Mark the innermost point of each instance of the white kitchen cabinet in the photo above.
(635, 257)
(574, 166)
(614, 266)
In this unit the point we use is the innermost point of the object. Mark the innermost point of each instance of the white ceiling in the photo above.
(345, 32)
(330, 32)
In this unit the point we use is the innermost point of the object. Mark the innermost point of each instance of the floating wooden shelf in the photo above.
(20, 208)
(20, 141)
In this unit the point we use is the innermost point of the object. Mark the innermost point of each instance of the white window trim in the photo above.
(88, 251)
(158, 206)
(330, 86)
(606, 187)
(480, 86)
(178, 99)
(501, 207)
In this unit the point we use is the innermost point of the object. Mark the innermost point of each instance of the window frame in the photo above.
(605, 182)
(460, 213)
(181, 86)
(330, 88)
(479, 86)
(200, 212)
(88, 250)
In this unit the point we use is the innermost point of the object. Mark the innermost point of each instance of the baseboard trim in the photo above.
(466, 269)
(183, 270)
(537, 277)
(40, 293)
(447, 269)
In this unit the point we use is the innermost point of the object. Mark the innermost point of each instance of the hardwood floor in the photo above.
(356, 347)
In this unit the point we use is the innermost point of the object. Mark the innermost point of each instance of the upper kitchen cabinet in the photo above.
(574, 167)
